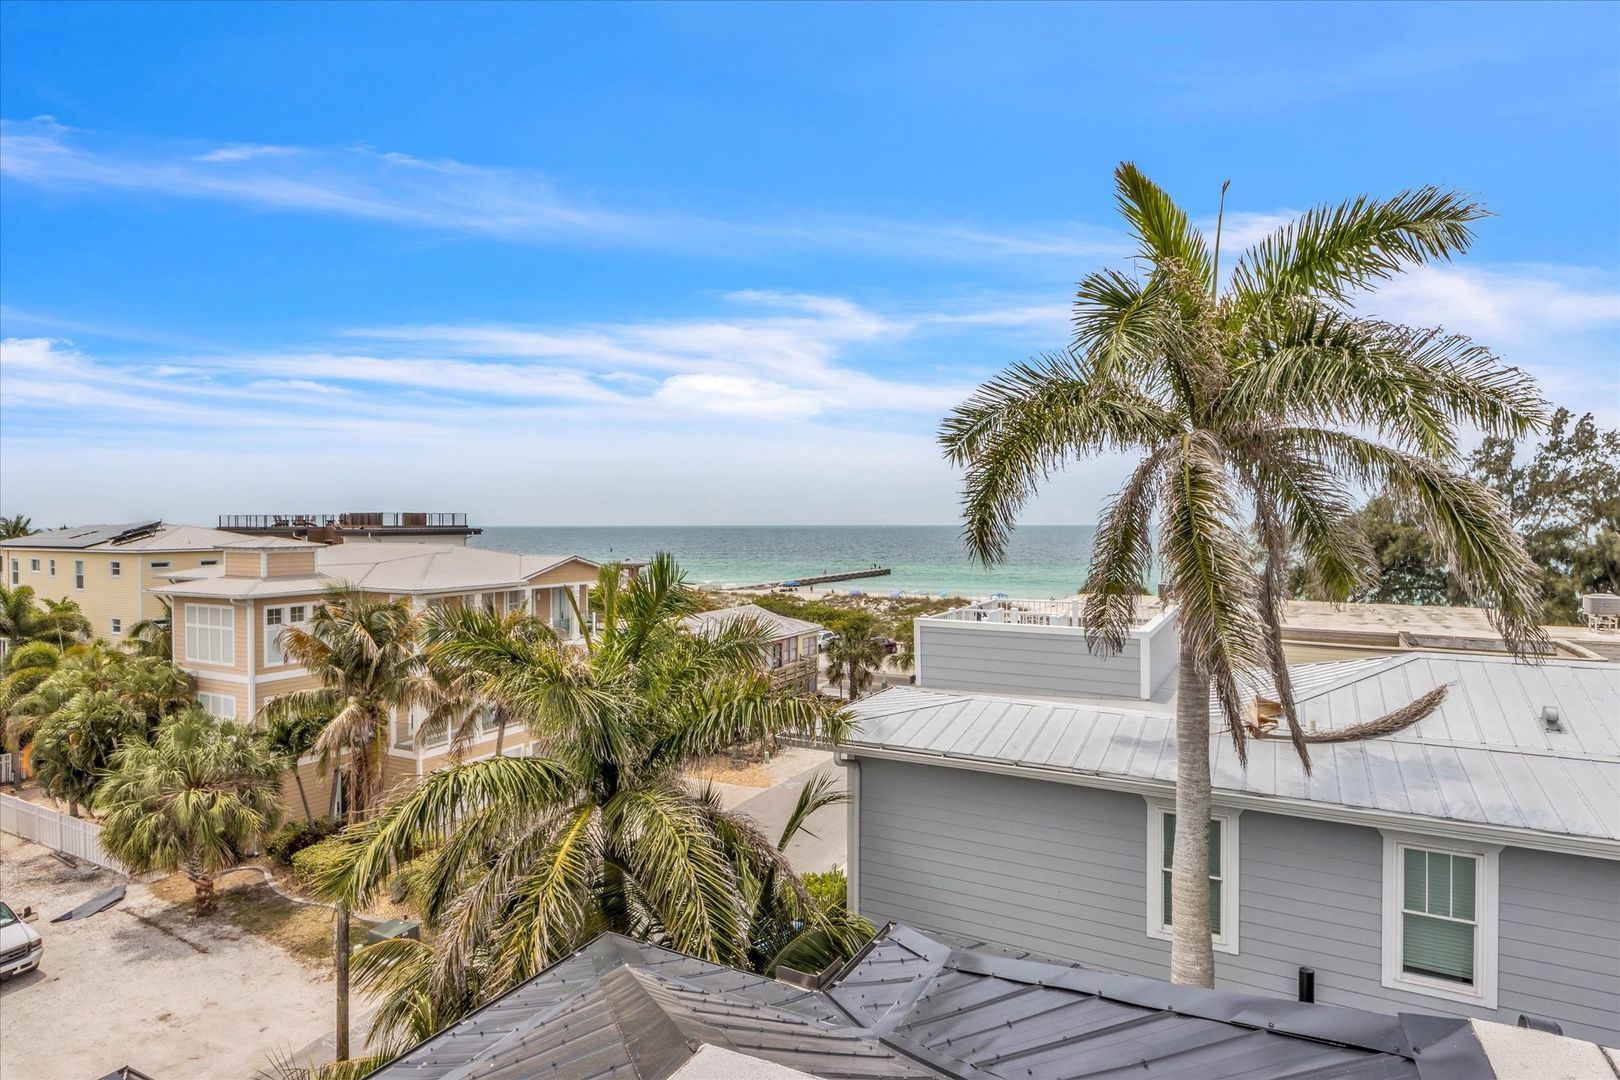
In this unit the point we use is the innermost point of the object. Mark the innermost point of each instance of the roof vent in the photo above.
(1550, 719)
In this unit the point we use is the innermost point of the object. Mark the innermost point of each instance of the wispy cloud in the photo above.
(505, 204)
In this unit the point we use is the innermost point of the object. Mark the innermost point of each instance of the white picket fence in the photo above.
(54, 829)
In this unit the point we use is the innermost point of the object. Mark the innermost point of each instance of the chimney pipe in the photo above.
(1307, 985)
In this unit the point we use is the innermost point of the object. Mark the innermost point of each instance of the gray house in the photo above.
(1467, 866)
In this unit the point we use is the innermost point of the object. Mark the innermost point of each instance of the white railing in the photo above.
(54, 829)
(1068, 612)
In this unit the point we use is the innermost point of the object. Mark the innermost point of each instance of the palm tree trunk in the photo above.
(303, 798)
(202, 884)
(340, 957)
(500, 730)
(1192, 959)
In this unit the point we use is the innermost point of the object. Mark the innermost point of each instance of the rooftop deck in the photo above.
(329, 528)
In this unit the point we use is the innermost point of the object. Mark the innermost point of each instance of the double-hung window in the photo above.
(33, 566)
(277, 621)
(220, 705)
(53, 567)
(210, 634)
(1223, 866)
(1440, 918)
(116, 568)
(117, 627)
(792, 650)
(78, 573)
(16, 571)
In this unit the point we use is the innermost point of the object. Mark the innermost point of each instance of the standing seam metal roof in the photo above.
(912, 1005)
(1484, 757)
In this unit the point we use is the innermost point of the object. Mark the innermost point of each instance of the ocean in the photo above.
(1043, 561)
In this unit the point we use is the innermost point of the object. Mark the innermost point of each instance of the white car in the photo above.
(20, 944)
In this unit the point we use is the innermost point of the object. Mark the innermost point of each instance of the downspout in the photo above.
(852, 816)
(916, 651)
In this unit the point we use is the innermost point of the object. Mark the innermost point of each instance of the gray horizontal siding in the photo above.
(1007, 861)
(997, 658)
(1060, 869)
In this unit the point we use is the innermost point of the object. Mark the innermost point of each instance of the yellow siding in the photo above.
(243, 564)
(291, 563)
(572, 572)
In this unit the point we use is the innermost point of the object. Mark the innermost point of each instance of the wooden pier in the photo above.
(823, 579)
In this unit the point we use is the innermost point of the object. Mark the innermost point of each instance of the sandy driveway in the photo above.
(144, 984)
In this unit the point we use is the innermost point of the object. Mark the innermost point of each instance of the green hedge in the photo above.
(313, 862)
(295, 836)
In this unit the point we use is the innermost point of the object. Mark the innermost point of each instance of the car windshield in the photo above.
(6, 917)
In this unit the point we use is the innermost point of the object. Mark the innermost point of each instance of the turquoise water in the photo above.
(1044, 560)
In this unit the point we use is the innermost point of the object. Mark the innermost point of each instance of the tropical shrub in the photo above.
(295, 836)
(316, 862)
(830, 890)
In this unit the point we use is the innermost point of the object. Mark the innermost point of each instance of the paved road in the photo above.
(822, 843)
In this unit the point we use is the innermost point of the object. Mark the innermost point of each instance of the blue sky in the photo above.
(702, 264)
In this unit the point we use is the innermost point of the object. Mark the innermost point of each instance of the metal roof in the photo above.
(917, 1005)
(1484, 758)
(384, 567)
(131, 536)
(780, 626)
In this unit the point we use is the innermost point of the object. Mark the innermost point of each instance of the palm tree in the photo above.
(363, 651)
(290, 738)
(26, 667)
(856, 654)
(21, 618)
(154, 637)
(17, 526)
(63, 621)
(193, 799)
(1257, 406)
(528, 857)
(464, 693)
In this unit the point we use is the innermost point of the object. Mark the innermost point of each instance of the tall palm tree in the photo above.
(193, 799)
(154, 637)
(21, 617)
(855, 656)
(528, 857)
(1256, 403)
(64, 622)
(363, 651)
(291, 738)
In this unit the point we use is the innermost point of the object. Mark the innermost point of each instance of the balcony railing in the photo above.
(1041, 612)
(402, 520)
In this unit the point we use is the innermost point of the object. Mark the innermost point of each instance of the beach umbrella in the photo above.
(898, 592)
(944, 595)
(856, 592)
(790, 584)
(998, 596)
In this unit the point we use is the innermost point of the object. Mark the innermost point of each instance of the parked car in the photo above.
(890, 646)
(20, 944)
(825, 638)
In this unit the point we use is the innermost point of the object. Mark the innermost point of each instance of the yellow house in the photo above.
(110, 570)
(228, 621)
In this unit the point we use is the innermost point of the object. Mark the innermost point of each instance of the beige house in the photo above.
(228, 621)
(790, 657)
(110, 570)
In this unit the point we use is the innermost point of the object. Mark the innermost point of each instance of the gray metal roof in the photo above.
(1484, 758)
(916, 1005)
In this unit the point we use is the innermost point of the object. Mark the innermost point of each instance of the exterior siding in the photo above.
(1061, 869)
(1026, 660)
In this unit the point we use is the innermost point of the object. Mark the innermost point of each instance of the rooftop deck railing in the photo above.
(403, 520)
(1040, 612)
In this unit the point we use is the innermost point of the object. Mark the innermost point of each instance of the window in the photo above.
(1223, 867)
(78, 573)
(16, 565)
(116, 567)
(1440, 919)
(220, 705)
(792, 649)
(117, 627)
(514, 600)
(487, 602)
(776, 655)
(33, 566)
(276, 621)
(210, 634)
(53, 568)
(162, 564)
(203, 562)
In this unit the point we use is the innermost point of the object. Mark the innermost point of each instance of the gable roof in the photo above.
(131, 536)
(918, 1005)
(779, 626)
(1483, 759)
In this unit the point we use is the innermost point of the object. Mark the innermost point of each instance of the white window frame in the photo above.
(53, 567)
(116, 568)
(117, 626)
(78, 574)
(161, 564)
(1483, 992)
(222, 706)
(271, 637)
(33, 566)
(16, 571)
(1227, 940)
(192, 655)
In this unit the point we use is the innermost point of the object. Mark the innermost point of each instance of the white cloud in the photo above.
(1510, 306)
(737, 395)
(503, 204)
